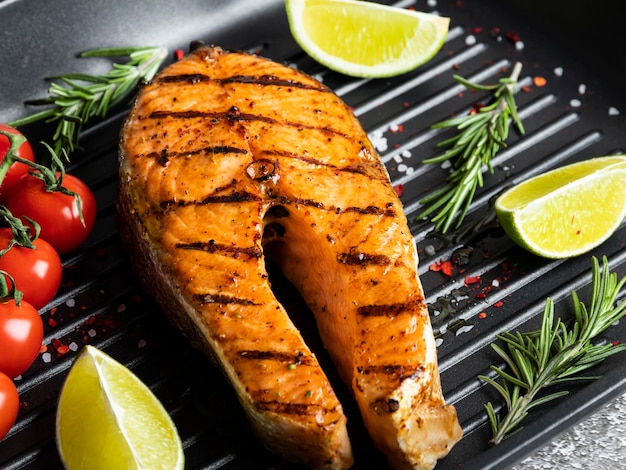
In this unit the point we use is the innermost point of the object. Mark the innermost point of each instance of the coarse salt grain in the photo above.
(470, 40)
(432, 3)
(70, 303)
(558, 71)
(397, 158)
(438, 341)
(46, 357)
(519, 45)
(464, 329)
(495, 283)
(91, 333)
(410, 170)
(575, 103)
(582, 88)
(406, 153)
(445, 165)
(402, 167)
(141, 343)
(613, 111)
(121, 308)
(73, 346)
(394, 127)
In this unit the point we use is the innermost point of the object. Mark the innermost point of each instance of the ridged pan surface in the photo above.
(495, 286)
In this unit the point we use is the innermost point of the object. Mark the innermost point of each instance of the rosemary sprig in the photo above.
(554, 354)
(482, 133)
(77, 98)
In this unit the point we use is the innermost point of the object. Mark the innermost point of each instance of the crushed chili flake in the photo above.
(52, 322)
(512, 36)
(539, 81)
(445, 267)
(615, 342)
(43, 348)
(179, 54)
(399, 189)
(64, 349)
(481, 295)
(482, 315)
(471, 280)
(498, 304)
(477, 29)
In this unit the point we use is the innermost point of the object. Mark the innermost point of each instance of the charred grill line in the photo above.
(360, 259)
(264, 80)
(288, 358)
(236, 196)
(234, 115)
(252, 252)
(390, 310)
(301, 409)
(164, 156)
(397, 371)
(221, 299)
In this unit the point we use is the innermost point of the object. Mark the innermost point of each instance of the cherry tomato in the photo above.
(21, 335)
(37, 272)
(55, 212)
(18, 169)
(9, 404)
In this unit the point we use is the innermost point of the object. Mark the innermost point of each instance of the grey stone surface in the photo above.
(598, 442)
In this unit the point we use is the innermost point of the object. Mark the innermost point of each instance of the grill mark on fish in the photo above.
(397, 371)
(235, 115)
(236, 196)
(355, 168)
(223, 299)
(390, 310)
(300, 409)
(252, 252)
(163, 156)
(263, 80)
(360, 259)
(288, 358)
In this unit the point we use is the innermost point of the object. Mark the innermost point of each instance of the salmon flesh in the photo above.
(227, 158)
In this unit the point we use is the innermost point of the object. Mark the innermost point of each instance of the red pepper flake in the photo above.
(406, 104)
(63, 349)
(477, 29)
(43, 348)
(179, 54)
(498, 304)
(52, 322)
(137, 299)
(481, 295)
(471, 280)
(526, 89)
(482, 315)
(399, 189)
(512, 36)
(53, 310)
(615, 342)
(539, 81)
(444, 266)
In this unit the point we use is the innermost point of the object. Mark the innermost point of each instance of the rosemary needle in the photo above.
(554, 354)
(76, 98)
(481, 134)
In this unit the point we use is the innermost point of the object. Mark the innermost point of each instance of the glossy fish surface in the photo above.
(227, 158)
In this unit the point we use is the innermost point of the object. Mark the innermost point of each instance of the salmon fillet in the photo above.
(227, 158)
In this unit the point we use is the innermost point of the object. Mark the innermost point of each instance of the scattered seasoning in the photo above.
(445, 267)
(308, 394)
(613, 111)
(582, 89)
(558, 71)
(46, 357)
(471, 280)
(73, 346)
(482, 315)
(470, 40)
(141, 343)
(429, 250)
(121, 308)
(498, 304)
(92, 333)
(179, 54)
(70, 303)
(539, 81)
(575, 103)
(399, 189)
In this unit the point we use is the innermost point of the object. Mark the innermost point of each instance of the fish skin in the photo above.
(227, 158)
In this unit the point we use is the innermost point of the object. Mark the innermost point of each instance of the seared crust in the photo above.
(227, 158)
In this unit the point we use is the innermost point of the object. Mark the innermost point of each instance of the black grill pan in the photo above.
(579, 113)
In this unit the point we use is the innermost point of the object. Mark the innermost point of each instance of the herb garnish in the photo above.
(80, 97)
(555, 353)
(481, 134)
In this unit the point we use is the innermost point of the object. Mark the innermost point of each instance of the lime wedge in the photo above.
(365, 39)
(567, 211)
(107, 418)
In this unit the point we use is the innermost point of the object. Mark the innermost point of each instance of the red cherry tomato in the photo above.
(21, 335)
(18, 169)
(37, 272)
(9, 404)
(55, 212)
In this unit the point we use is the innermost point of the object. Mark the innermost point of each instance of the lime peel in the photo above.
(108, 418)
(365, 39)
(567, 211)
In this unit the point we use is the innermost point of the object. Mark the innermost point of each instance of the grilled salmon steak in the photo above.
(227, 158)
